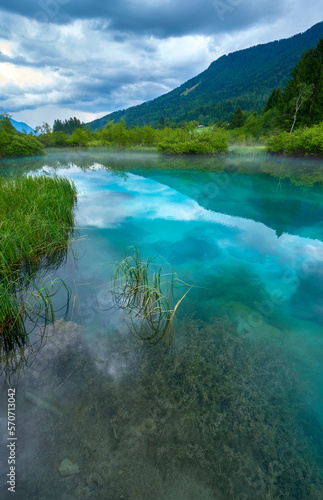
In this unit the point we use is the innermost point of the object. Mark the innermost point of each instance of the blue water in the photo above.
(248, 234)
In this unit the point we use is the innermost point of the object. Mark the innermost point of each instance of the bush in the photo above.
(195, 143)
(13, 143)
(24, 145)
(304, 142)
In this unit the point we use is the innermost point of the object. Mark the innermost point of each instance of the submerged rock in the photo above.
(67, 468)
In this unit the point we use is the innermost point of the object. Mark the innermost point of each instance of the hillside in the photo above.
(246, 78)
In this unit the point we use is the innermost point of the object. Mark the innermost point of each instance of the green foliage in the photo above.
(273, 99)
(121, 136)
(302, 97)
(304, 141)
(184, 140)
(67, 126)
(36, 220)
(24, 146)
(238, 119)
(15, 144)
(6, 126)
(194, 142)
(79, 137)
(59, 139)
(45, 129)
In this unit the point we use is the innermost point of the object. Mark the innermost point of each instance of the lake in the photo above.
(233, 408)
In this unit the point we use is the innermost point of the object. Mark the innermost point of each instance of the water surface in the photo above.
(234, 409)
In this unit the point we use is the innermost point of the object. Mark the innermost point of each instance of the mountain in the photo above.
(22, 127)
(244, 78)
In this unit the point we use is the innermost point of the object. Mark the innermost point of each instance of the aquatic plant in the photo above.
(26, 307)
(217, 410)
(146, 296)
(36, 221)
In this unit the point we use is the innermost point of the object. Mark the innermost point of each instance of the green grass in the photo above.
(36, 220)
(146, 296)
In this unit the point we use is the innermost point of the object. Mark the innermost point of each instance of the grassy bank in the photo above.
(36, 220)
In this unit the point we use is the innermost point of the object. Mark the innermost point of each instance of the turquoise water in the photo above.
(234, 409)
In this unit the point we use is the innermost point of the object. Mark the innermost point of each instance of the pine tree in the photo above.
(238, 118)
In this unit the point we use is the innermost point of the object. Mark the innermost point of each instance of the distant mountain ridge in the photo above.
(22, 127)
(243, 78)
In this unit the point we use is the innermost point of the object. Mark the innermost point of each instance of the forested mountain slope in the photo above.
(246, 78)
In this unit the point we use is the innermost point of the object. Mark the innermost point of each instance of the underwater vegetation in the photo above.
(217, 410)
(36, 221)
(146, 296)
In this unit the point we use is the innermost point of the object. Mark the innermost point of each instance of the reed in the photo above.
(36, 221)
(146, 296)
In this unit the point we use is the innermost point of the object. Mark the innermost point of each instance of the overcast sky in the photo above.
(62, 58)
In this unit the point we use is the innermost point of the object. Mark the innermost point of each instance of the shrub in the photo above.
(304, 142)
(16, 144)
(24, 145)
(191, 142)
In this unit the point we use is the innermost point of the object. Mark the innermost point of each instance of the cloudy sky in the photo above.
(86, 58)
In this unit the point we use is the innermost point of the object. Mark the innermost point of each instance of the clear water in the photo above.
(234, 408)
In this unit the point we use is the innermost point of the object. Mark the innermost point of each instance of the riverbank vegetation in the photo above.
(16, 144)
(184, 140)
(36, 221)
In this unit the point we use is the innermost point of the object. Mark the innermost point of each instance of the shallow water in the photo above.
(234, 409)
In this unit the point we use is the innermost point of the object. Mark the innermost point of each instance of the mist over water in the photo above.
(235, 406)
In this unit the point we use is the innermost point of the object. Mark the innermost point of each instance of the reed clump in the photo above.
(145, 291)
(36, 221)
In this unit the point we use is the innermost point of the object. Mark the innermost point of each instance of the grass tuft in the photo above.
(36, 221)
(146, 296)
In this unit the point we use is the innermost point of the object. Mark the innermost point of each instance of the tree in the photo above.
(302, 98)
(162, 121)
(67, 126)
(43, 129)
(238, 119)
(5, 124)
(304, 93)
(273, 99)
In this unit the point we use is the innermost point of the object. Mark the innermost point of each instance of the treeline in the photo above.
(67, 126)
(185, 140)
(16, 144)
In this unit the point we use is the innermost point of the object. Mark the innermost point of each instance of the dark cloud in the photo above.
(98, 56)
(157, 18)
